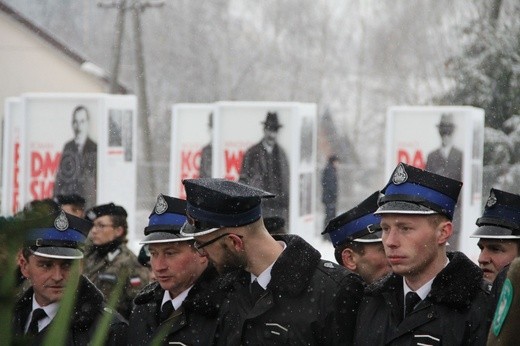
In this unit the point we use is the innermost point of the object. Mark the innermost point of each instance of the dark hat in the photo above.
(415, 191)
(333, 158)
(166, 220)
(74, 199)
(271, 122)
(59, 235)
(446, 124)
(359, 224)
(105, 209)
(501, 217)
(215, 203)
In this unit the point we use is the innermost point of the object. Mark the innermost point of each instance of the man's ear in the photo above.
(445, 231)
(237, 242)
(23, 263)
(348, 258)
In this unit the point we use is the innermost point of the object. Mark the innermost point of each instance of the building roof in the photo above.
(60, 46)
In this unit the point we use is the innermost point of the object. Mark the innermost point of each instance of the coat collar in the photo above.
(291, 272)
(89, 302)
(203, 298)
(455, 286)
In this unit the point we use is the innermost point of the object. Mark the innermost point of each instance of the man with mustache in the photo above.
(53, 242)
(498, 232)
(356, 236)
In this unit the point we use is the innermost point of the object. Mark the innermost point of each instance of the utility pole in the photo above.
(118, 39)
(136, 7)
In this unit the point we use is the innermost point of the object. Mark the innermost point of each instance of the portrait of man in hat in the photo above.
(206, 155)
(265, 166)
(77, 171)
(447, 159)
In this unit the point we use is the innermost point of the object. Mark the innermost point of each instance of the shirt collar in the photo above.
(265, 277)
(422, 291)
(177, 301)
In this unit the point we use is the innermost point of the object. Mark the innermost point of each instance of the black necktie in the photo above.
(37, 315)
(166, 310)
(412, 299)
(256, 291)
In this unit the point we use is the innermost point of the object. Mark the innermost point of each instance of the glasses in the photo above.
(101, 226)
(199, 246)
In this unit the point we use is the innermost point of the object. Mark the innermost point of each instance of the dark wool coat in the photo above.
(451, 167)
(269, 172)
(329, 182)
(455, 312)
(194, 323)
(89, 308)
(307, 302)
(77, 172)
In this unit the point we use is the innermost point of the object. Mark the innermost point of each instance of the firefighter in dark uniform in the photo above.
(280, 291)
(432, 297)
(181, 307)
(52, 244)
(356, 236)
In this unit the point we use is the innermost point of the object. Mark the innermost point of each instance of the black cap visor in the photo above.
(401, 207)
(164, 237)
(370, 238)
(57, 252)
(191, 230)
(495, 232)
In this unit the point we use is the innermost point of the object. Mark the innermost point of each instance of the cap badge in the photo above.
(400, 176)
(161, 206)
(61, 223)
(370, 229)
(492, 200)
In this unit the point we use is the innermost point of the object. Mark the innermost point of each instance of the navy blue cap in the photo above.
(415, 191)
(501, 217)
(105, 209)
(165, 221)
(215, 203)
(59, 235)
(357, 224)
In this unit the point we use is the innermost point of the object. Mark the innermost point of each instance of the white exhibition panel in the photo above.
(40, 125)
(236, 127)
(412, 133)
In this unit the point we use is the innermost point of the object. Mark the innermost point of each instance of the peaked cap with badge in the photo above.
(415, 191)
(105, 209)
(358, 224)
(165, 221)
(501, 217)
(215, 203)
(59, 235)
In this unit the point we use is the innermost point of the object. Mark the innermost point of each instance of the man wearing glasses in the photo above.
(108, 259)
(179, 308)
(279, 290)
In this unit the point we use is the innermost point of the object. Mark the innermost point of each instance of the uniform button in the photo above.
(430, 315)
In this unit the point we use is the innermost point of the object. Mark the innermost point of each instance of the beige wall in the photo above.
(28, 63)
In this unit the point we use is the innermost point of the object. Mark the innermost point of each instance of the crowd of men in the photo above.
(216, 276)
